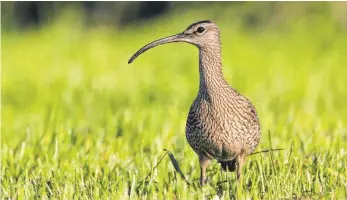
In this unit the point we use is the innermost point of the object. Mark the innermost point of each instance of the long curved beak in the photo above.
(174, 38)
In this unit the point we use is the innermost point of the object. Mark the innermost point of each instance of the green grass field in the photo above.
(78, 121)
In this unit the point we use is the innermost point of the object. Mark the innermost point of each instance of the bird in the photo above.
(222, 124)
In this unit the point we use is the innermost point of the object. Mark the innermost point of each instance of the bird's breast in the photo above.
(220, 128)
(207, 132)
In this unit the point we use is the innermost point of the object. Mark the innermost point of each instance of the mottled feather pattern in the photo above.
(222, 126)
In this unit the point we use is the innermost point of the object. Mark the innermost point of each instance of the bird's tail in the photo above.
(228, 165)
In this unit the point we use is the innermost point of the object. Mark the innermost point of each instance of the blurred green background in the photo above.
(78, 120)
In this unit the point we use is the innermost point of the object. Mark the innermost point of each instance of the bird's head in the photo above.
(203, 34)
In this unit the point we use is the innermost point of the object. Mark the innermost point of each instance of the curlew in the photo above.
(222, 124)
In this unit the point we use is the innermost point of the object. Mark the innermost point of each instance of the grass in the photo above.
(79, 122)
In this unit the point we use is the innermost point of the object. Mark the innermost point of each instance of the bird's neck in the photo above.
(210, 69)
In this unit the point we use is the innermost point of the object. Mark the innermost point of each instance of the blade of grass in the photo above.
(176, 166)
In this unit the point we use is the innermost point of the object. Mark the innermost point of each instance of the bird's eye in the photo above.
(200, 29)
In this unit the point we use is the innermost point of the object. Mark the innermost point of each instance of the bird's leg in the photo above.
(204, 163)
(240, 160)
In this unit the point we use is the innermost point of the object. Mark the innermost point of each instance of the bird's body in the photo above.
(222, 124)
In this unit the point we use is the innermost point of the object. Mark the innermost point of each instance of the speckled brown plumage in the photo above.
(222, 124)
